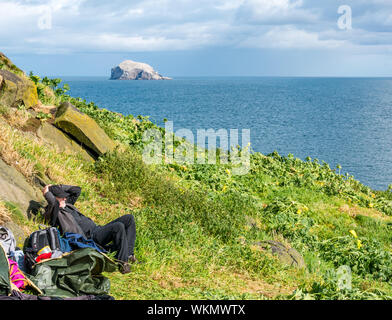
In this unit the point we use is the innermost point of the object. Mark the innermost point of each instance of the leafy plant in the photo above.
(43, 116)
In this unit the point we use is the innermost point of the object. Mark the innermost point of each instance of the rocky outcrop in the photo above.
(17, 90)
(15, 87)
(83, 129)
(131, 70)
(6, 64)
(66, 127)
(61, 140)
(15, 189)
(286, 255)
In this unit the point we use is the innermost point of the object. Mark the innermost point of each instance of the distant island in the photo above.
(132, 70)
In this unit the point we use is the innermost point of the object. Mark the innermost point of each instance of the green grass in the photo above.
(193, 222)
(16, 213)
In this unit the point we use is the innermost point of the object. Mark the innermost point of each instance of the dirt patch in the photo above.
(258, 286)
(168, 281)
(49, 109)
(369, 212)
(136, 203)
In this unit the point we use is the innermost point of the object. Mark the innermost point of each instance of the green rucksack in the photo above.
(5, 282)
(74, 274)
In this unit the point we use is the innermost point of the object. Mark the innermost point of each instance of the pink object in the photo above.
(16, 276)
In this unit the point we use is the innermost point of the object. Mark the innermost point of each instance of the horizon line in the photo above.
(237, 76)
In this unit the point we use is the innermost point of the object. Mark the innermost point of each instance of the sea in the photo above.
(342, 121)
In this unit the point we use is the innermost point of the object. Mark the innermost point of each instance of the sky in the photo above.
(345, 38)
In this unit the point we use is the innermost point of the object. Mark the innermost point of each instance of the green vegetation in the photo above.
(198, 225)
(6, 64)
(16, 214)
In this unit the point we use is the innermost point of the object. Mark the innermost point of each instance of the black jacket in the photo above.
(53, 208)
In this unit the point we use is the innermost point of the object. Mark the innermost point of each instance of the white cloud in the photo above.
(275, 12)
(226, 5)
(155, 25)
(284, 37)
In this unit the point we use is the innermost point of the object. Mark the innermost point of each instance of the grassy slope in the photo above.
(197, 224)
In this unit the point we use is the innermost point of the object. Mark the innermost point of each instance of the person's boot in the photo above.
(132, 259)
(125, 268)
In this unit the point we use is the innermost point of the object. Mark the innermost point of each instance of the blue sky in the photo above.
(199, 38)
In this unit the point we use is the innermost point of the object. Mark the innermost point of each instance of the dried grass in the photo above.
(10, 155)
(4, 214)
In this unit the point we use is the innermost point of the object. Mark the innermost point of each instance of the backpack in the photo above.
(5, 281)
(75, 274)
(67, 222)
(7, 240)
(38, 240)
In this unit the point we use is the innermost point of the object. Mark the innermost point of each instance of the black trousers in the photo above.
(122, 232)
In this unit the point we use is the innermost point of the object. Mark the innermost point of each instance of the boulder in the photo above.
(131, 70)
(83, 129)
(6, 63)
(17, 90)
(15, 189)
(288, 256)
(61, 140)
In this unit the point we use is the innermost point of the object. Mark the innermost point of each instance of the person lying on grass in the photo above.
(122, 231)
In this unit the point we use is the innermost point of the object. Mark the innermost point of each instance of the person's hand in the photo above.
(46, 188)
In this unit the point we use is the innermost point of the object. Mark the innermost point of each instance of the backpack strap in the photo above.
(54, 240)
(34, 241)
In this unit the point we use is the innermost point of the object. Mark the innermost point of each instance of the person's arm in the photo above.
(50, 198)
(51, 211)
(73, 191)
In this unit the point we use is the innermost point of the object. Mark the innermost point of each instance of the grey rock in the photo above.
(83, 129)
(288, 256)
(51, 134)
(15, 189)
(17, 90)
(132, 70)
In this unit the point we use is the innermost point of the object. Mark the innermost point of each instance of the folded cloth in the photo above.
(43, 256)
(77, 241)
(16, 276)
(18, 257)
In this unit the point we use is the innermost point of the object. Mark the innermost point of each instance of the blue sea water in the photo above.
(346, 121)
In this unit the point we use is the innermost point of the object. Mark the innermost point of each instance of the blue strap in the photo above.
(78, 241)
(64, 243)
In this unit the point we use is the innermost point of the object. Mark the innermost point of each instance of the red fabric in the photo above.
(43, 256)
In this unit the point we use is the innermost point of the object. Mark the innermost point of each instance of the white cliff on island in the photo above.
(132, 70)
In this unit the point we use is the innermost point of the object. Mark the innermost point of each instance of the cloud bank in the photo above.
(70, 26)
